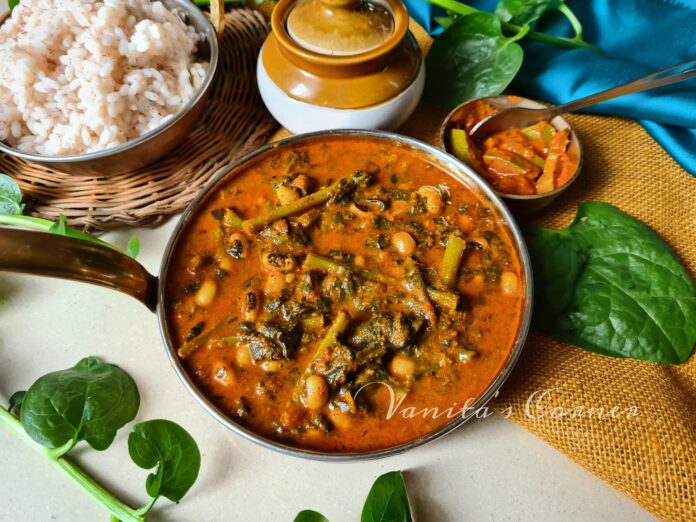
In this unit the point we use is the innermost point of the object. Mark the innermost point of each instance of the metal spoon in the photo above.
(519, 117)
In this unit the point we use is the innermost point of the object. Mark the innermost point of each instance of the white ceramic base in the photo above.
(300, 117)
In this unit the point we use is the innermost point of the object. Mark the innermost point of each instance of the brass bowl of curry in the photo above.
(337, 296)
(367, 277)
(528, 167)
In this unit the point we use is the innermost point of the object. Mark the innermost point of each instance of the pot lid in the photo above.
(339, 27)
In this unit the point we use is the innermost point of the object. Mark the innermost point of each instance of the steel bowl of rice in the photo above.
(102, 86)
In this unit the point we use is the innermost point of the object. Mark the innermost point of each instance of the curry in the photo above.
(324, 297)
(533, 160)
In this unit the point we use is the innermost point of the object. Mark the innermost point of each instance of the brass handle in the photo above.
(64, 257)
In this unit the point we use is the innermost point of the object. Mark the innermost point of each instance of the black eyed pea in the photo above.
(432, 197)
(402, 366)
(316, 392)
(509, 283)
(238, 245)
(404, 243)
(276, 261)
(206, 293)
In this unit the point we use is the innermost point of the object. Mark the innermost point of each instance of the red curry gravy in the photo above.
(321, 282)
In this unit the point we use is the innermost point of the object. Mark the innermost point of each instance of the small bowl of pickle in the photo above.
(528, 167)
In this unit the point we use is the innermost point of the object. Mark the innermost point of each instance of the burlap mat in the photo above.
(235, 122)
(647, 450)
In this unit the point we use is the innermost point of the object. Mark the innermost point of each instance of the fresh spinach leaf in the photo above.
(16, 402)
(167, 446)
(90, 402)
(59, 227)
(12, 4)
(610, 285)
(522, 12)
(310, 516)
(387, 500)
(133, 248)
(470, 59)
(10, 196)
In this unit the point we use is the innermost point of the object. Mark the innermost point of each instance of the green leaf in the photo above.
(520, 12)
(387, 500)
(10, 196)
(610, 285)
(310, 516)
(90, 402)
(59, 227)
(133, 248)
(445, 21)
(12, 4)
(16, 402)
(172, 450)
(470, 59)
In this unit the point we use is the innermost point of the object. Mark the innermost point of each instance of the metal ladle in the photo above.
(519, 117)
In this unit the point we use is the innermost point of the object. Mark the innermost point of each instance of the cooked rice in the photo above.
(79, 76)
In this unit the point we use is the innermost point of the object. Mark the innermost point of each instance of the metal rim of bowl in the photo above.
(454, 168)
(211, 38)
(521, 197)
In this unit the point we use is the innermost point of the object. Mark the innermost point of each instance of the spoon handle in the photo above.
(657, 79)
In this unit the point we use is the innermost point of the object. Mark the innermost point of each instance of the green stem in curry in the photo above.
(301, 205)
(194, 344)
(447, 300)
(413, 280)
(463, 10)
(316, 262)
(118, 509)
(231, 219)
(454, 251)
(339, 325)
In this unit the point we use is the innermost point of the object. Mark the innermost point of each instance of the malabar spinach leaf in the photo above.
(610, 285)
(16, 402)
(310, 516)
(387, 500)
(90, 402)
(10, 196)
(168, 447)
(133, 248)
(472, 58)
(522, 12)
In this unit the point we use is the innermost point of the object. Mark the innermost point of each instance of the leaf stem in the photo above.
(147, 507)
(118, 509)
(45, 225)
(570, 15)
(463, 10)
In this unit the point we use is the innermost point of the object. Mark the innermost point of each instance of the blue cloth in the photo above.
(639, 37)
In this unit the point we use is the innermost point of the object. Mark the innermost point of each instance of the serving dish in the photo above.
(311, 86)
(155, 144)
(520, 204)
(63, 257)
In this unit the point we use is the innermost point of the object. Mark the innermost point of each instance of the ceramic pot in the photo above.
(329, 64)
